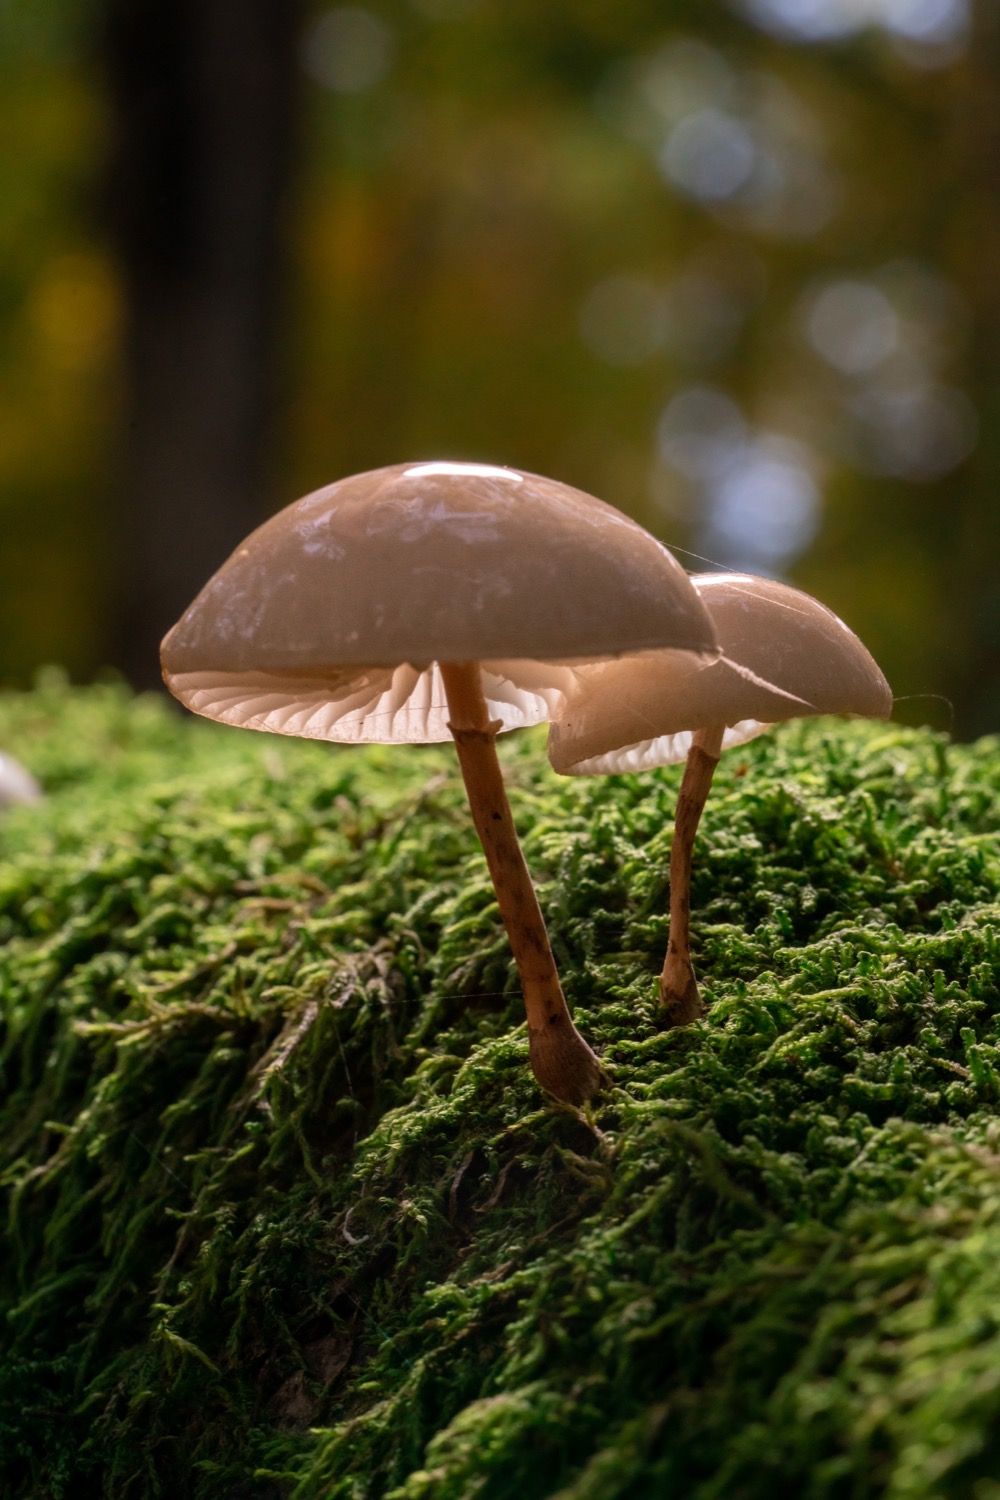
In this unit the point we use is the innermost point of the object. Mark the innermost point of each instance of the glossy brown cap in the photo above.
(784, 656)
(327, 620)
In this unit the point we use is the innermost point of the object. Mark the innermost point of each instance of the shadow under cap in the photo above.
(327, 620)
(784, 656)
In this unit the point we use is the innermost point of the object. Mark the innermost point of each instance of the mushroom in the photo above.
(784, 656)
(430, 601)
(16, 784)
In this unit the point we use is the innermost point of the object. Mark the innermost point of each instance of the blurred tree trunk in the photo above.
(204, 100)
(977, 232)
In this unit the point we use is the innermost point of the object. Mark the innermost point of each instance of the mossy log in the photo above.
(287, 1215)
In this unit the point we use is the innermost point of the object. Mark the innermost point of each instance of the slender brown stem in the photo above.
(679, 993)
(560, 1059)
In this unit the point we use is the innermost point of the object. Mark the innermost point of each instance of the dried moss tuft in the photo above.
(286, 1216)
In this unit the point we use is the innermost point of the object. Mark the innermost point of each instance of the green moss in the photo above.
(286, 1215)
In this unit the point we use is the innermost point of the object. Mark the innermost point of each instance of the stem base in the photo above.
(680, 996)
(563, 1064)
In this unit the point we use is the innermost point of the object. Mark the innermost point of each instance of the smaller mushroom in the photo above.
(16, 784)
(784, 656)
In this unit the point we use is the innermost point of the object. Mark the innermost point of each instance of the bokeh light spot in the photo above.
(929, 21)
(918, 433)
(811, 20)
(766, 509)
(853, 326)
(709, 154)
(348, 49)
(701, 432)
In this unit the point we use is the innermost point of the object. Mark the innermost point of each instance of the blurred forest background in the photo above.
(732, 265)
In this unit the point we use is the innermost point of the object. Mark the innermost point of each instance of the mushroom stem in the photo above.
(679, 993)
(560, 1059)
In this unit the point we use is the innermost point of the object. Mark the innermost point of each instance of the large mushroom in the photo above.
(431, 601)
(784, 656)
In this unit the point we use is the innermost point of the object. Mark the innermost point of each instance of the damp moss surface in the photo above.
(286, 1216)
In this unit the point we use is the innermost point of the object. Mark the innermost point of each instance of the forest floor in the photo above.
(286, 1215)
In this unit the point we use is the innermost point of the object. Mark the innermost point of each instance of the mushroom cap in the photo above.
(328, 620)
(784, 656)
